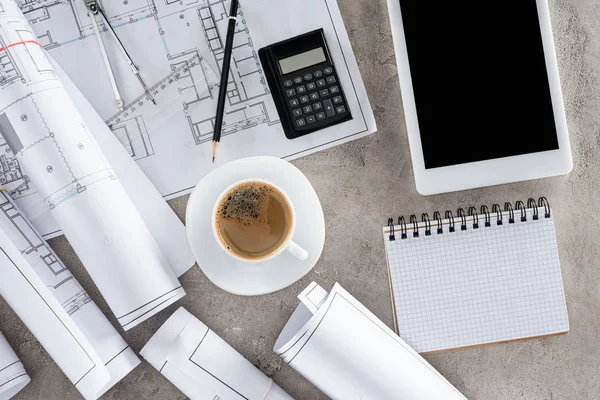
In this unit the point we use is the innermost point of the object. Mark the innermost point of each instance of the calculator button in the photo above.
(301, 89)
(300, 122)
(294, 103)
(310, 119)
(308, 77)
(311, 86)
(304, 99)
(314, 96)
(318, 74)
(329, 108)
(324, 93)
(288, 83)
(320, 115)
(317, 106)
(331, 79)
(340, 109)
(297, 112)
(290, 92)
(307, 109)
(337, 99)
(328, 70)
(333, 90)
(321, 83)
(298, 80)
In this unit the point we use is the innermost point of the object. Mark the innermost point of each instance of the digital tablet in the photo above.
(481, 92)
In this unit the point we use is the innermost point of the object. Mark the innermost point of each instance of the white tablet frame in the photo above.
(488, 172)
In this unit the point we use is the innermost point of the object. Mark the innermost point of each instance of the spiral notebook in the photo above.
(476, 277)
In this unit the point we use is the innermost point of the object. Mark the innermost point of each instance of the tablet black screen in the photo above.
(479, 79)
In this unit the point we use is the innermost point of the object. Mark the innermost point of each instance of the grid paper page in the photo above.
(477, 286)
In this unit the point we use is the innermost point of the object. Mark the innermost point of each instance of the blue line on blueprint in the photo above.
(93, 34)
(66, 198)
(162, 38)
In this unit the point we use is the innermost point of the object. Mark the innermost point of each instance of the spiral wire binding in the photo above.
(440, 229)
(544, 202)
(402, 224)
(520, 206)
(463, 219)
(415, 223)
(450, 217)
(392, 229)
(532, 204)
(427, 222)
(511, 213)
(484, 213)
(496, 208)
(475, 216)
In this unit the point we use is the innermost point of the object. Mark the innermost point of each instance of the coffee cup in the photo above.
(254, 220)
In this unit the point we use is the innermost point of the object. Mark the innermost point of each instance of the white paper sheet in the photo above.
(13, 376)
(348, 353)
(177, 46)
(203, 366)
(29, 297)
(42, 125)
(118, 358)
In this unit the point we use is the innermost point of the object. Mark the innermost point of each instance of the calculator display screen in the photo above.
(302, 60)
(479, 78)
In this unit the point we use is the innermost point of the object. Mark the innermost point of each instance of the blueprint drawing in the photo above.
(178, 47)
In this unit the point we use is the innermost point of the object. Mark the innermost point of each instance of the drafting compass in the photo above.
(95, 10)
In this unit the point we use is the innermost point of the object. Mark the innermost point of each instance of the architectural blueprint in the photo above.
(59, 287)
(49, 129)
(13, 376)
(204, 366)
(178, 47)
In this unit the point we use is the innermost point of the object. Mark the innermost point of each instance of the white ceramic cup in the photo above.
(288, 245)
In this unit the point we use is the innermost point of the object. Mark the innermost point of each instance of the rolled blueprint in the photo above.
(203, 366)
(54, 306)
(13, 376)
(348, 353)
(58, 152)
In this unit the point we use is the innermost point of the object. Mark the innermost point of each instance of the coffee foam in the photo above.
(245, 203)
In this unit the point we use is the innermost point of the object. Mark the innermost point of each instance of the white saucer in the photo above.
(248, 279)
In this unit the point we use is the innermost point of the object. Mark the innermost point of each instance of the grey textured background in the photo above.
(362, 183)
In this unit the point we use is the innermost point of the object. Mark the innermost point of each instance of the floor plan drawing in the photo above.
(186, 42)
(133, 135)
(46, 264)
(178, 47)
(194, 86)
(8, 69)
(10, 170)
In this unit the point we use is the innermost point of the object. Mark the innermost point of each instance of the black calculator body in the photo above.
(304, 84)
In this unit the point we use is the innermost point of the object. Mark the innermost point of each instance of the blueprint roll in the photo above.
(348, 353)
(56, 149)
(59, 285)
(45, 317)
(13, 376)
(203, 366)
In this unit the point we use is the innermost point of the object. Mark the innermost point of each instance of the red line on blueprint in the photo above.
(19, 43)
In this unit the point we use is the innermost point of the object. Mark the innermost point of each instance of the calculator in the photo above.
(304, 84)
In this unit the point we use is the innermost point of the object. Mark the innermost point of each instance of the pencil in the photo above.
(225, 76)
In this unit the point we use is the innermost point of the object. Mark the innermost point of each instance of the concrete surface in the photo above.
(362, 183)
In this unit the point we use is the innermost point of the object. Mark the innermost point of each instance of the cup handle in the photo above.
(297, 251)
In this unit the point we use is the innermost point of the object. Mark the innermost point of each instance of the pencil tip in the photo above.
(154, 101)
(213, 160)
